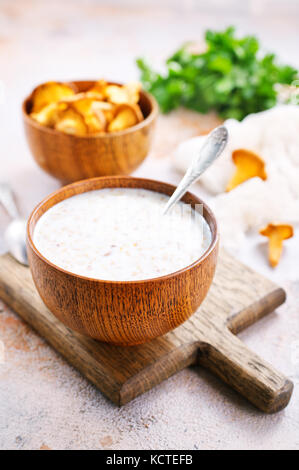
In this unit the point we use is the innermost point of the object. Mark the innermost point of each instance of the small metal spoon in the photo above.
(211, 149)
(15, 234)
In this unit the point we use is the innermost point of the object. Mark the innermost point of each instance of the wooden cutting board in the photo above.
(238, 297)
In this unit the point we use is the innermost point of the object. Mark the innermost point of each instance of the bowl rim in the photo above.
(197, 200)
(152, 115)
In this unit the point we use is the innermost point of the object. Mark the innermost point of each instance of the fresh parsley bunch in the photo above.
(230, 77)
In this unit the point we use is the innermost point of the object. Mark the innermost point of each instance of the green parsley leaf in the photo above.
(230, 77)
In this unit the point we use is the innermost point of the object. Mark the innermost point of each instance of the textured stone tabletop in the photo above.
(45, 403)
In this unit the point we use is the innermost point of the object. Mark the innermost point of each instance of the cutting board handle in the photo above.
(242, 369)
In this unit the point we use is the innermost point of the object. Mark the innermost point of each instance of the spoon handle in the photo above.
(7, 200)
(210, 150)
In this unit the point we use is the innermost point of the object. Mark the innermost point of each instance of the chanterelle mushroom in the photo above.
(248, 165)
(276, 234)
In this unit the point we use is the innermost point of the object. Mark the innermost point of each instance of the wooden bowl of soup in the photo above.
(71, 158)
(110, 265)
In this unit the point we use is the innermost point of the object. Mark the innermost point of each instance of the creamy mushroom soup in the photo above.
(121, 234)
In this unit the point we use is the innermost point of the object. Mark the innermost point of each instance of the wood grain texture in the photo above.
(121, 312)
(238, 297)
(71, 158)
